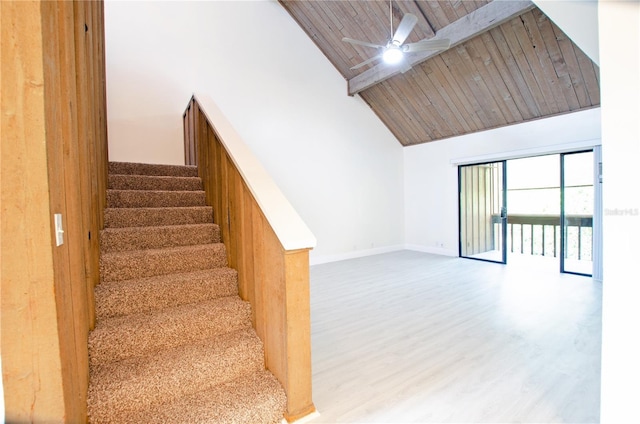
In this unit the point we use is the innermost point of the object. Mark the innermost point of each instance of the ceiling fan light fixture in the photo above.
(392, 55)
(393, 52)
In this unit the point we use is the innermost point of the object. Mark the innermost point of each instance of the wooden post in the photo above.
(54, 161)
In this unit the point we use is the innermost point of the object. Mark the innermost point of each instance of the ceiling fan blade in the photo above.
(404, 29)
(361, 43)
(425, 45)
(366, 62)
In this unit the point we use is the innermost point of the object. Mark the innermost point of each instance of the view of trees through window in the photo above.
(533, 196)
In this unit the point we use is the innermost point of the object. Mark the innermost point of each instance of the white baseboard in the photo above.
(352, 255)
(433, 250)
(370, 252)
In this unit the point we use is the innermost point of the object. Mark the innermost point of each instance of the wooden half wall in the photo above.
(54, 161)
(266, 243)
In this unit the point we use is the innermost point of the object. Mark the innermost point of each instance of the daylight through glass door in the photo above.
(576, 209)
(482, 199)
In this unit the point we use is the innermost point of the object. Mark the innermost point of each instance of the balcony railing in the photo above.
(540, 235)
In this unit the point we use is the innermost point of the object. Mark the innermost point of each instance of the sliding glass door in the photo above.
(555, 214)
(576, 212)
(483, 211)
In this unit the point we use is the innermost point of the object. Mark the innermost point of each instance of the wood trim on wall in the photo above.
(54, 160)
(28, 309)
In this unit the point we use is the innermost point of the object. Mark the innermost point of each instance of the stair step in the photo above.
(256, 398)
(137, 335)
(152, 169)
(136, 238)
(173, 341)
(146, 217)
(154, 293)
(119, 390)
(118, 266)
(152, 182)
(154, 198)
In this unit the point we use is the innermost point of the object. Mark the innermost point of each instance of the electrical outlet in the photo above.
(57, 218)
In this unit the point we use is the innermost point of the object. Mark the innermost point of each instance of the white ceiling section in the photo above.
(578, 19)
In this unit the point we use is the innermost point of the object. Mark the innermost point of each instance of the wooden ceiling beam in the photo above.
(481, 20)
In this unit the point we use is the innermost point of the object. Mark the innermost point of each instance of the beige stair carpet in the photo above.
(173, 341)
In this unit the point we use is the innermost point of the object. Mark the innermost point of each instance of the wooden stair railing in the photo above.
(267, 243)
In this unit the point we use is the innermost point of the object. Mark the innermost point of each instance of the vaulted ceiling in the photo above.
(508, 63)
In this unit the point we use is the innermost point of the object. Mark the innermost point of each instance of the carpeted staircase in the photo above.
(173, 341)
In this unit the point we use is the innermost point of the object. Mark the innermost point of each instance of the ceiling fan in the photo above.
(393, 51)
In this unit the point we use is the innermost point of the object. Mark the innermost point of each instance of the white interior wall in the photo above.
(338, 165)
(431, 179)
(578, 19)
(620, 86)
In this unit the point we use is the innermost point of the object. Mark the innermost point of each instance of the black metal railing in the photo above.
(540, 235)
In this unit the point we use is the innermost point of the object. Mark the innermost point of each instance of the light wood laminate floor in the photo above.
(413, 337)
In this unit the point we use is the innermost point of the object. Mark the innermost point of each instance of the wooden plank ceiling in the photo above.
(508, 63)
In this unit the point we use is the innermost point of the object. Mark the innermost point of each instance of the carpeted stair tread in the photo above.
(147, 217)
(154, 182)
(136, 238)
(119, 389)
(154, 198)
(173, 341)
(256, 398)
(142, 334)
(154, 293)
(152, 169)
(127, 265)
